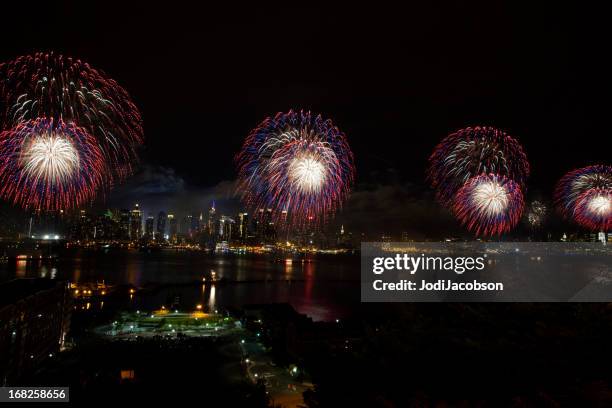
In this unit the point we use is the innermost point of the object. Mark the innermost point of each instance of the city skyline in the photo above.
(305, 205)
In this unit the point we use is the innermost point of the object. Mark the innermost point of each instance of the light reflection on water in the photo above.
(324, 288)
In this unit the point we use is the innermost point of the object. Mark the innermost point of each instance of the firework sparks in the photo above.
(585, 196)
(471, 152)
(489, 204)
(536, 215)
(49, 85)
(49, 165)
(297, 165)
(50, 157)
(307, 173)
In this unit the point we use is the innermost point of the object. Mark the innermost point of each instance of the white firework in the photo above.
(307, 173)
(600, 205)
(490, 198)
(50, 157)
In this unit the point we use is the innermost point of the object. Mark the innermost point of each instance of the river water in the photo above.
(324, 287)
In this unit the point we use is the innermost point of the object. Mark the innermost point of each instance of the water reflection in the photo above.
(322, 288)
(22, 265)
(212, 298)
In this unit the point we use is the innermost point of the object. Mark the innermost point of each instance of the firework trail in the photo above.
(471, 152)
(585, 196)
(47, 164)
(489, 204)
(70, 91)
(298, 165)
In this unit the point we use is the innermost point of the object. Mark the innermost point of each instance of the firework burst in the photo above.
(67, 90)
(537, 214)
(472, 152)
(585, 196)
(489, 204)
(297, 165)
(48, 164)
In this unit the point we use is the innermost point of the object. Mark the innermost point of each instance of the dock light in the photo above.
(132, 290)
(199, 307)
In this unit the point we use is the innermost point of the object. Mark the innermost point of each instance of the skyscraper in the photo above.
(185, 225)
(124, 224)
(161, 225)
(149, 224)
(243, 226)
(135, 223)
(172, 228)
(212, 220)
(226, 228)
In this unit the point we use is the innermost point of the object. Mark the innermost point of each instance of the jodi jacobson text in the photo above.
(439, 285)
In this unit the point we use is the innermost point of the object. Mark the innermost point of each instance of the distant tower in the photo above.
(212, 220)
(172, 228)
(135, 223)
(226, 228)
(149, 224)
(161, 224)
(243, 226)
(124, 224)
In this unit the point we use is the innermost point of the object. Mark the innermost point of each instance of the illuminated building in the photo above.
(149, 231)
(226, 228)
(212, 220)
(124, 224)
(243, 226)
(172, 228)
(161, 224)
(135, 223)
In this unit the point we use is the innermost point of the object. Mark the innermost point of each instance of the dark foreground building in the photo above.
(34, 320)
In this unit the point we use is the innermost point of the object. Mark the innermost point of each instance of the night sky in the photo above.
(395, 79)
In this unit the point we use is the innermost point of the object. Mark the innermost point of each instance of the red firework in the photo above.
(68, 90)
(585, 196)
(489, 204)
(297, 167)
(50, 165)
(472, 152)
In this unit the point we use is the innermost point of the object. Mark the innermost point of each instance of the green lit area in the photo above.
(170, 323)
